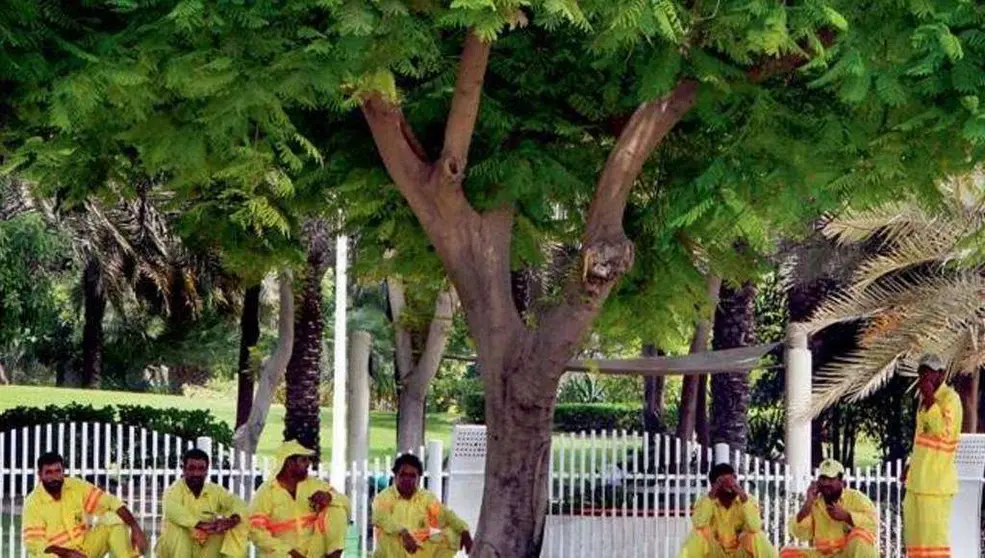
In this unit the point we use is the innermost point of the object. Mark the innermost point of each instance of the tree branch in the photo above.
(438, 331)
(403, 348)
(402, 154)
(464, 109)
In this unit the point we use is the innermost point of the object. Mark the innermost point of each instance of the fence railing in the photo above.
(611, 494)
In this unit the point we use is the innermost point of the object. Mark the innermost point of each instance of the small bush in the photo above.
(575, 417)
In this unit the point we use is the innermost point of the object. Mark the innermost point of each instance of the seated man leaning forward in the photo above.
(410, 521)
(726, 522)
(201, 519)
(295, 515)
(840, 524)
(59, 511)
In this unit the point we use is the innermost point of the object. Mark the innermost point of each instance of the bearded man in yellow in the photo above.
(839, 524)
(726, 522)
(410, 521)
(296, 516)
(58, 512)
(201, 519)
(932, 476)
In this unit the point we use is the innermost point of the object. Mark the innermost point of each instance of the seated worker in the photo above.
(295, 515)
(201, 519)
(410, 521)
(58, 512)
(840, 524)
(726, 522)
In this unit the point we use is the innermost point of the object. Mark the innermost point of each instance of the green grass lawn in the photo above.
(382, 426)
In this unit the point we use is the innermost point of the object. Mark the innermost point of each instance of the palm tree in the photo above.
(735, 326)
(921, 290)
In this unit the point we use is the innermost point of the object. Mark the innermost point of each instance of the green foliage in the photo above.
(588, 417)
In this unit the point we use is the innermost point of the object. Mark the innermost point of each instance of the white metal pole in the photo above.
(340, 364)
(798, 401)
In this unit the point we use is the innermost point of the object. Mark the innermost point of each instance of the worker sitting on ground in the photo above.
(410, 521)
(838, 522)
(295, 515)
(201, 519)
(726, 522)
(59, 511)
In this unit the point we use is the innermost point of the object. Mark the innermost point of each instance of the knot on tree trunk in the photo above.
(452, 169)
(603, 263)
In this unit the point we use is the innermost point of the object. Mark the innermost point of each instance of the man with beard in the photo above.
(201, 519)
(59, 511)
(839, 524)
(932, 476)
(295, 515)
(410, 521)
(726, 522)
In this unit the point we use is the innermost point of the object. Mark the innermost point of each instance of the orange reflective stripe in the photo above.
(434, 512)
(704, 532)
(421, 535)
(259, 520)
(862, 534)
(928, 552)
(66, 536)
(92, 500)
(936, 443)
(278, 527)
(793, 553)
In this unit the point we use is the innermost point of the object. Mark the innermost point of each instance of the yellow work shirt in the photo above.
(714, 521)
(935, 444)
(423, 515)
(280, 523)
(182, 510)
(830, 536)
(63, 522)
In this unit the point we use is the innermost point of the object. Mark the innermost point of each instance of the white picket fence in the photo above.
(611, 494)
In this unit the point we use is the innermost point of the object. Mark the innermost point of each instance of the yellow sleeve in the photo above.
(449, 519)
(383, 514)
(752, 522)
(260, 518)
(952, 415)
(231, 504)
(704, 511)
(34, 530)
(801, 530)
(96, 501)
(933, 419)
(862, 510)
(175, 510)
(340, 500)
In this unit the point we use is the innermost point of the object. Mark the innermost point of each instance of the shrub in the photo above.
(575, 417)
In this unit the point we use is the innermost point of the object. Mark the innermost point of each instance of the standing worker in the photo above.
(201, 519)
(412, 522)
(57, 514)
(932, 476)
(296, 516)
(839, 522)
(726, 522)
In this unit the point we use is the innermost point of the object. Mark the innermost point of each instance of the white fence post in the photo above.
(434, 455)
(204, 443)
(797, 442)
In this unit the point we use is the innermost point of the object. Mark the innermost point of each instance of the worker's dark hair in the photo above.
(719, 470)
(408, 459)
(194, 453)
(50, 458)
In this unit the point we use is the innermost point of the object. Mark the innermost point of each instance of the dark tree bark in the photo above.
(967, 387)
(249, 336)
(653, 397)
(301, 422)
(92, 333)
(735, 326)
(694, 389)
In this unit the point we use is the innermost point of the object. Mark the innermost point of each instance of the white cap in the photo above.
(932, 361)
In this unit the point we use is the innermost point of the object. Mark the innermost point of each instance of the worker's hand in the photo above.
(296, 554)
(731, 483)
(812, 493)
(206, 526)
(906, 473)
(839, 513)
(715, 488)
(64, 552)
(467, 542)
(223, 525)
(320, 500)
(410, 545)
(138, 539)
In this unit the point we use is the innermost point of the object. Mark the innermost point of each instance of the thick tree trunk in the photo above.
(735, 326)
(247, 435)
(411, 403)
(249, 327)
(688, 411)
(358, 395)
(702, 428)
(92, 333)
(653, 397)
(301, 421)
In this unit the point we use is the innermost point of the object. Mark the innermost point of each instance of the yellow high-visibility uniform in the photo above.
(65, 522)
(932, 480)
(733, 532)
(837, 539)
(437, 530)
(280, 523)
(183, 511)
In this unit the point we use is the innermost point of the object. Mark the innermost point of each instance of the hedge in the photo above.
(569, 417)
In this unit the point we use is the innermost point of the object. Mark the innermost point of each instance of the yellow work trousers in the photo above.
(180, 543)
(113, 538)
(752, 545)
(391, 546)
(927, 525)
(855, 548)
